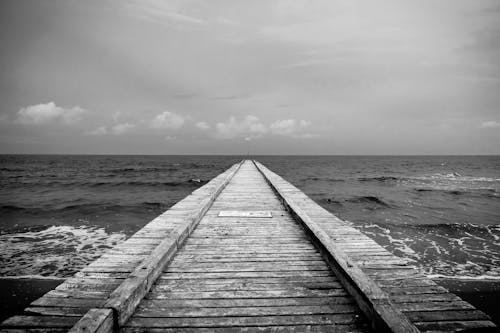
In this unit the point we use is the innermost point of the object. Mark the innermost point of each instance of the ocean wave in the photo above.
(81, 209)
(330, 201)
(368, 199)
(191, 182)
(11, 208)
(12, 169)
(487, 192)
(379, 179)
(456, 176)
(452, 192)
(324, 179)
(448, 250)
(451, 181)
(142, 169)
(55, 251)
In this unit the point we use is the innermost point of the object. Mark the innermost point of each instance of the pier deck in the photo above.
(248, 252)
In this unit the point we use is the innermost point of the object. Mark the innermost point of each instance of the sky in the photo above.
(258, 77)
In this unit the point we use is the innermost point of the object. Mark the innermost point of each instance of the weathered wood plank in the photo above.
(244, 302)
(449, 315)
(316, 328)
(232, 275)
(336, 319)
(245, 311)
(245, 294)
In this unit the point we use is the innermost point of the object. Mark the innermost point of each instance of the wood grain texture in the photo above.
(95, 320)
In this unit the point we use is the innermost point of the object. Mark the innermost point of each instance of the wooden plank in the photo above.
(336, 319)
(450, 315)
(246, 311)
(76, 293)
(268, 257)
(249, 281)
(68, 302)
(435, 306)
(316, 328)
(246, 294)
(244, 302)
(233, 275)
(56, 311)
(250, 267)
(244, 286)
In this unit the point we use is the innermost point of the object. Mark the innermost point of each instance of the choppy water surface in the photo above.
(60, 212)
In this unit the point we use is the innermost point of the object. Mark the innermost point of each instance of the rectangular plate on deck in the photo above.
(244, 213)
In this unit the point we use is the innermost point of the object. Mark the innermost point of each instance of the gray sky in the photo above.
(269, 77)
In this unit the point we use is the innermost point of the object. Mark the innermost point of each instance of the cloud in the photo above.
(168, 120)
(4, 118)
(291, 127)
(48, 113)
(232, 97)
(102, 130)
(490, 124)
(202, 125)
(122, 128)
(115, 116)
(250, 127)
(163, 12)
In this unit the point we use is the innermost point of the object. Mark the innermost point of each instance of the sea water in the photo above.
(59, 213)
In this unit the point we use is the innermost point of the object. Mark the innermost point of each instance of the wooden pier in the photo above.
(248, 252)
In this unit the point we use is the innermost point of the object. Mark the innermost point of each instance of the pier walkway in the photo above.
(248, 252)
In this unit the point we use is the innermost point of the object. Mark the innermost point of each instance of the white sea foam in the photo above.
(483, 277)
(57, 251)
(455, 251)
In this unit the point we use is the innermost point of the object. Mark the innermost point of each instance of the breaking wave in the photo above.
(368, 199)
(53, 251)
(459, 251)
(379, 179)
